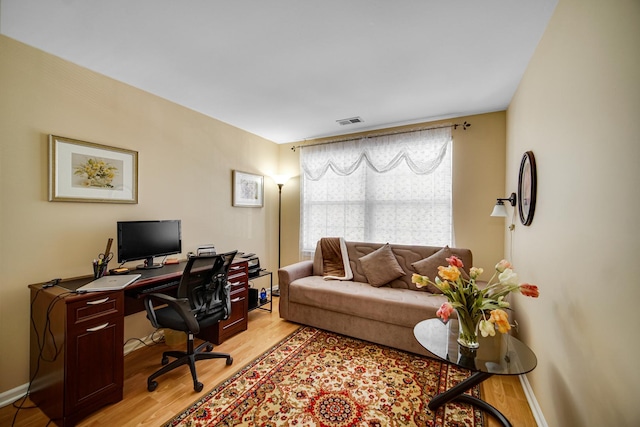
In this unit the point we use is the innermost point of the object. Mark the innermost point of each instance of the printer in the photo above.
(253, 263)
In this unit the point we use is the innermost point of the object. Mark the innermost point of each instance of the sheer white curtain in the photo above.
(393, 188)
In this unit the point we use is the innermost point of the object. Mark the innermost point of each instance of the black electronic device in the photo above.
(253, 266)
(148, 239)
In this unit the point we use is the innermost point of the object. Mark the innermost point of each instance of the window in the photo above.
(394, 188)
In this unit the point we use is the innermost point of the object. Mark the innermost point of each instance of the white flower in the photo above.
(508, 277)
(487, 328)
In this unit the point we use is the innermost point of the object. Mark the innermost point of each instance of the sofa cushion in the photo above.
(381, 266)
(406, 255)
(401, 307)
(429, 267)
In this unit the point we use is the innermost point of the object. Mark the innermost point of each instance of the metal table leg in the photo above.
(457, 393)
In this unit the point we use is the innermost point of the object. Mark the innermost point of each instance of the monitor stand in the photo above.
(148, 265)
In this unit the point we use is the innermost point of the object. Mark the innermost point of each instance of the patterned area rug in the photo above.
(318, 378)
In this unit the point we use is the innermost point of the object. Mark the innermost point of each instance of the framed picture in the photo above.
(248, 190)
(82, 171)
(527, 188)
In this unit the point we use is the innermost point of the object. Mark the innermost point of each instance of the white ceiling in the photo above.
(288, 69)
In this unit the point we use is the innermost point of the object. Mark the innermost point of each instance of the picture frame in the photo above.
(81, 171)
(527, 188)
(247, 190)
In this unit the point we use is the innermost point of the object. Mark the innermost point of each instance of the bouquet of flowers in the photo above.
(476, 307)
(96, 173)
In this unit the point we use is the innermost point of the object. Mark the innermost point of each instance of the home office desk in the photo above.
(76, 347)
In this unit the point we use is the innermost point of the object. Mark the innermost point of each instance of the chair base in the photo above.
(188, 357)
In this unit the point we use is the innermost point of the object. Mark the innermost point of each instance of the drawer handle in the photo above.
(97, 328)
(236, 299)
(98, 301)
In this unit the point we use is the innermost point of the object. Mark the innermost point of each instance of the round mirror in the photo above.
(527, 183)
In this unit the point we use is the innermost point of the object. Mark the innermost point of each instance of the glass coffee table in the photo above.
(499, 355)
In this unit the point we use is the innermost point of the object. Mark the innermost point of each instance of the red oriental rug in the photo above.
(318, 378)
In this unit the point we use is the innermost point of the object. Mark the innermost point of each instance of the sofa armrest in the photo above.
(288, 274)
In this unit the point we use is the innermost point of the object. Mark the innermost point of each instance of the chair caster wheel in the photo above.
(229, 360)
(198, 386)
(209, 347)
(165, 360)
(152, 385)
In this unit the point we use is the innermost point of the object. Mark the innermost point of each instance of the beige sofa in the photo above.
(382, 314)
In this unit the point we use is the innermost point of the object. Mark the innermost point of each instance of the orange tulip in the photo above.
(501, 320)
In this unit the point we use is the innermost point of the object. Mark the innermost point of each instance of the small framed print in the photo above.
(527, 188)
(81, 171)
(248, 190)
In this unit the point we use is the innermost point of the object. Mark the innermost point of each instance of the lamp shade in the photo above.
(499, 210)
(280, 179)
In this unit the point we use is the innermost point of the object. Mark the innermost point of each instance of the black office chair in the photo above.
(203, 300)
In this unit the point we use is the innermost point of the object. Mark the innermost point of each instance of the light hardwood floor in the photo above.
(175, 389)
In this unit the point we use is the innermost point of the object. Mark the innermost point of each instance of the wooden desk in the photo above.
(76, 356)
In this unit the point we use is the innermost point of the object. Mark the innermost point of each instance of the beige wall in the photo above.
(478, 179)
(578, 109)
(185, 163)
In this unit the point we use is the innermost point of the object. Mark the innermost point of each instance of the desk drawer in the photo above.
(95, 306)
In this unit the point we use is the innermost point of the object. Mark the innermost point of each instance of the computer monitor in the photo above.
(148, 239)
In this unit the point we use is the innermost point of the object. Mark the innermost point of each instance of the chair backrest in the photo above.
(204, 283)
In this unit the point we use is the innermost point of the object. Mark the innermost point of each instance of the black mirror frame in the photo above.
(527, 187)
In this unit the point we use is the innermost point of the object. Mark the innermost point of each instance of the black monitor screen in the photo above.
(147, 239)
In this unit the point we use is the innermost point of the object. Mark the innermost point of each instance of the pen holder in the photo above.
(99, 269)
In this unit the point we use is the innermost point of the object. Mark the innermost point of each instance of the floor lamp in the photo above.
(280, 180)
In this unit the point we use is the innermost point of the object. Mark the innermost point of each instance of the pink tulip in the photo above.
(503, 265)
(445, 311)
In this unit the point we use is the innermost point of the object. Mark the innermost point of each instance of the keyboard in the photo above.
(159, 288)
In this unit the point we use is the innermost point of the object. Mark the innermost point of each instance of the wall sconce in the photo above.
(499, 209)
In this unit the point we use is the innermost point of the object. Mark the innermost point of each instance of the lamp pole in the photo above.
(280, 184)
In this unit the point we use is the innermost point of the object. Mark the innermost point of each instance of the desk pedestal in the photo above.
(79, 366)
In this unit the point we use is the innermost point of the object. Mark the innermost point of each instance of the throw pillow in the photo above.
(381, 266)
(429, 267)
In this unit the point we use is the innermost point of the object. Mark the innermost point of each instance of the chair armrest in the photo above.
(179, 305)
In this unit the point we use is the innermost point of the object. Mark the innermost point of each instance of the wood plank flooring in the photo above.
(175, 389)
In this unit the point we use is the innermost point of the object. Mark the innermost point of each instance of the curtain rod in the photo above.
(464, 126)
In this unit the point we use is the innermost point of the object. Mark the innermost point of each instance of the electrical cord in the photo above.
(153, 339)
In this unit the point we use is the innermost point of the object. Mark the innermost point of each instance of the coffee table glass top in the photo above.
(498, 355)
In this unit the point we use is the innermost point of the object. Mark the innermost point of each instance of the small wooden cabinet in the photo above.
(76, 352)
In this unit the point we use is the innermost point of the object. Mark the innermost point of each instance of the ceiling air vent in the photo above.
(350, 121)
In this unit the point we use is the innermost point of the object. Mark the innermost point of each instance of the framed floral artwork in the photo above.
(248, 190)
(81, 171)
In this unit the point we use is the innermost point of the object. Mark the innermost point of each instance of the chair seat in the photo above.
(171, 319)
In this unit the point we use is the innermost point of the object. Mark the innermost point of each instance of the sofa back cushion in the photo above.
(405, 255)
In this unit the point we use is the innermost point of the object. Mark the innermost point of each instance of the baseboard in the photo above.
(533, 402)
(10, 396)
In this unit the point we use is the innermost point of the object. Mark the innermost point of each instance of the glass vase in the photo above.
(467, 329)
